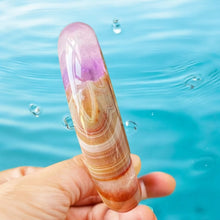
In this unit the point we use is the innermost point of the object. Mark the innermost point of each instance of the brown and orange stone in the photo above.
(96, 117)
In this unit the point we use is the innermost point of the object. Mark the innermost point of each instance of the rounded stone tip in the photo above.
(79, 53)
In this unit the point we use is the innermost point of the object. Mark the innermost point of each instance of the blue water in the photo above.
(165, 70)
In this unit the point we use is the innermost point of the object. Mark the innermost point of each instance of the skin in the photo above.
(65, 191)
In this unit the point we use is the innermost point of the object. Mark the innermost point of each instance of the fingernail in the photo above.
(143, 190)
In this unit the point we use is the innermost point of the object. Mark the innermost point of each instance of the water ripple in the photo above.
(165, 70)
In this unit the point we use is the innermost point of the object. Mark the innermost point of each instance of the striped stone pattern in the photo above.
(96, 117)
(99, 129)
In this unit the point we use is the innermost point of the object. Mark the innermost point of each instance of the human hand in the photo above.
(65, 191)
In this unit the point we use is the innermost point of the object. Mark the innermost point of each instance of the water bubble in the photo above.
(116, 26)
(68, 123)
(130, 127)
(193, 81)
(35, 110)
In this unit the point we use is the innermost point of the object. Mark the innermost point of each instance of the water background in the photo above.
(165, 70)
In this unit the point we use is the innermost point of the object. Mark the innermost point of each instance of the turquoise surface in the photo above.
(165, 70)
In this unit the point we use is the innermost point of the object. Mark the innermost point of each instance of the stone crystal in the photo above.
(96, 117)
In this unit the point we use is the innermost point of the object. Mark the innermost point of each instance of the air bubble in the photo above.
(116, 26)
(68, 123)
(130, 127)
(193, 81)
(35, 110)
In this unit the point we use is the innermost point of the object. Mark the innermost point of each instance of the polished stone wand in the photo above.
(96, 117)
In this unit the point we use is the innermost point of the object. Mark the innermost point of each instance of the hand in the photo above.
(65, 191)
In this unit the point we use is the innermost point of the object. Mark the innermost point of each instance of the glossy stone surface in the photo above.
(79, 53)
(96, 117)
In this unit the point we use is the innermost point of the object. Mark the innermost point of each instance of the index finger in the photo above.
(157, 184)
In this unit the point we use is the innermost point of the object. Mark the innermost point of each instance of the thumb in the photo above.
(69, 180)
(74, 180)
(47, 193)
(69, 177)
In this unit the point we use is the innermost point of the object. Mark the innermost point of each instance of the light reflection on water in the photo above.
(165, 69)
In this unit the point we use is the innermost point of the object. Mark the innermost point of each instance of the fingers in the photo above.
(136, 161)
(140, 212)
(100, 212)
(157, 184)
(14, 173)
(95, 198)
(69, 178)
(72, 178)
